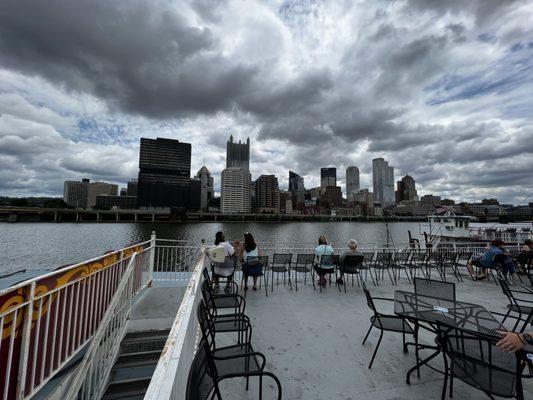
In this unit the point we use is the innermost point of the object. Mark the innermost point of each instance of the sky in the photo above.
(443, 90)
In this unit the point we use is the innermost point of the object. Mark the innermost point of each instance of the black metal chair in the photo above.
(238, 359)
(385, 322)
(474, 359)
(304, 264)
(234, 286)
(418, 263)
(280, 264)
(435, 261)
(525, 261)
(366, 267)
(263, 261)
(435, 288)
(327, 263)
(523, 307)
(222, 302)
(382, 263)
(230, 263)
(401, 262)
(349, 266)
(204, 377)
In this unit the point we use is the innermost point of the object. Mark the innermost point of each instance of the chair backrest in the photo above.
(205, 274)
(477, 361)
(369, 300)
(506, 289)
(208, 296)
(353, 260)
(384, 256)
(263, 260)
(369, 256)
(327, 260)
(206, 325)
(305, 259)
(402, 256)
(199, 383)
(434, 288)
(282, 259)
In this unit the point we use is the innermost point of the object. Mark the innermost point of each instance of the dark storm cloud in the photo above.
(139, 56)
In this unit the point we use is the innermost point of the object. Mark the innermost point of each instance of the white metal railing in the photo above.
(173, 260)
(47, 320)
(92, 375)
(169, 381)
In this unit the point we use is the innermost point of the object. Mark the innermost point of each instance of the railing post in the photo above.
(25, 344)
(152, 258)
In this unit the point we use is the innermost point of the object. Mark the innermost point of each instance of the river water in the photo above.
(50, 245)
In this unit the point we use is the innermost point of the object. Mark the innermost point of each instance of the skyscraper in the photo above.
(296, 187)
(383, 182)
(82, 194)
(267, 194)
(238, 154)
(206, 187)
(352, 180)
(328, 177)
(164, 173)
(235, 191)
(406, 190)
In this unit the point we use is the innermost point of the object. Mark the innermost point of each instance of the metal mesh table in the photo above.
(426, 311)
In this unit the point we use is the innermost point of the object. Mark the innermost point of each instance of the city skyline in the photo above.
(311, 83)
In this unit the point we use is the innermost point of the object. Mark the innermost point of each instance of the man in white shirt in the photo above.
(226, 268)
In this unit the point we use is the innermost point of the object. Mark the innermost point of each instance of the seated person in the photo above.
(487, 260)
(525, 258)
(219, 269)
(352, 251)
(323, 249)
(511, 342)
(249, 256)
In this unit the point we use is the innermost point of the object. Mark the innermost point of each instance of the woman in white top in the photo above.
(250, 261)
(222, 269)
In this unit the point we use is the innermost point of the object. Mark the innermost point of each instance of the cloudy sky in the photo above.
(441, 89)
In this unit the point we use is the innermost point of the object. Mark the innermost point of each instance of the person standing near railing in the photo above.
(222, 270)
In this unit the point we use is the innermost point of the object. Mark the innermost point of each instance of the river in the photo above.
(49, 245)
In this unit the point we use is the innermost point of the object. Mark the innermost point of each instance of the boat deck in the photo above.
(312, 342)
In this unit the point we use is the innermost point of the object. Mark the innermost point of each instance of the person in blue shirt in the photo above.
(488, 258)
(325, 263)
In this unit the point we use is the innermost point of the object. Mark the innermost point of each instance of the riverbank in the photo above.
(35, 214)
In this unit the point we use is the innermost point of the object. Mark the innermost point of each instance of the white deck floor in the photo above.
(312, 342)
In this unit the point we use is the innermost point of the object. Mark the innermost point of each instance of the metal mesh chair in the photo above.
(238, 359)
(522, 307)
(366, 267)
(280, 264)
(263, 261)
(418, 263)
(382, 263)
(475, 360)
(230, 263)
(349, 266)
(204, 378)
(222, 302)
(326, 263)
(434, 288)
(401, 262)
(304, 264)
(385, 322)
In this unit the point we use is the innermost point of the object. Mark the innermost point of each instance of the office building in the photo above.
(109, 202)
(285, 202)
(164, 173)
(406, 189)
(267, 194)
(235, 191)
(195, 195)
(132, 187)
(82, 194)
(206, 187)
(100, 188)
(75, 193)
(238, 154)
(332, 196)
(328, 177)
(296, 187)
(352, 180)
(364, 198)
(383, 182)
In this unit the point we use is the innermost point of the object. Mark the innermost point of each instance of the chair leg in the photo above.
(368, 333)
(444, 384)
(376, 349)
